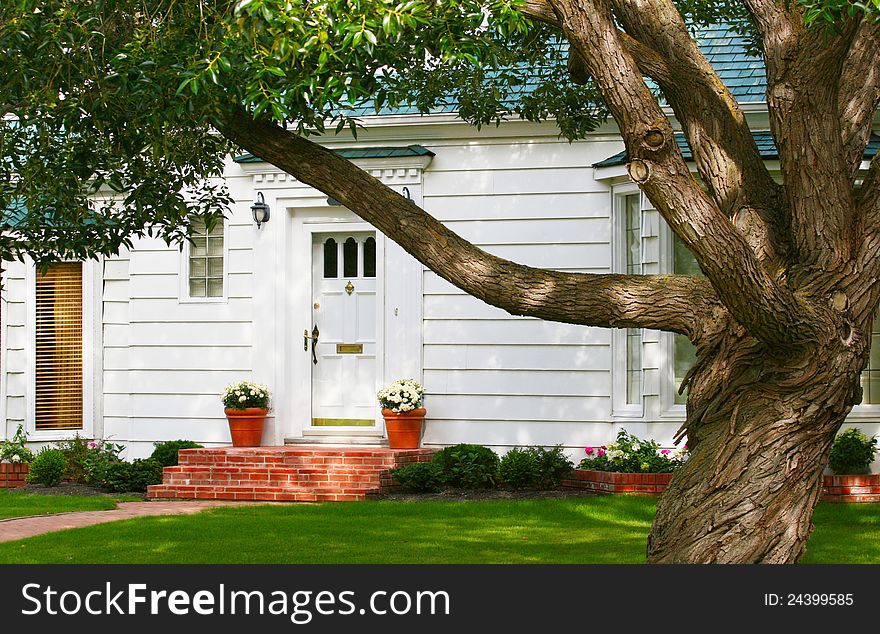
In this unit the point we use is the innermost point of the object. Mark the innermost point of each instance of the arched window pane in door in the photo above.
(350, 258)
(331, 257)
(370, 257)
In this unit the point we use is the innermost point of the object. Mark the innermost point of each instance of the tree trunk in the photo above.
(759, 428)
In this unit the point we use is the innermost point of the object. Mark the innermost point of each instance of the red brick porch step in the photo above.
(291, 474)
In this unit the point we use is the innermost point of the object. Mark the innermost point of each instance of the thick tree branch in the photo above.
(767, 310)
(858, 93)
(774, 22)
(678, 303)
(724, 149)
(803, 69)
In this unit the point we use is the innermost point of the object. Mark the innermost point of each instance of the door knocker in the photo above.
(349, 288)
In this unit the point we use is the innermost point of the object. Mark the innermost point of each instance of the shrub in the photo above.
(48, 468)
(165, 453)
(123, 477)
(76, 450)
(14, 450)
(420, 477)
(519, 469)
(102, 455)
(468, 466)
(553, 466)
(535, 468)
(852, 452)
(632, 455)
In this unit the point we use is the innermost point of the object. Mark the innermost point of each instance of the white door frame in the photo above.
(306, 223)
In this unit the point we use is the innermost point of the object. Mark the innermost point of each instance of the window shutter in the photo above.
(59, 362)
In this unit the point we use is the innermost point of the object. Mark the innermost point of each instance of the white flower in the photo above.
(242, 399)
(15, 458)
(636, 446)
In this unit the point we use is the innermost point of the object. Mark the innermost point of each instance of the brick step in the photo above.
(267, 494)
(280, 469)
(281, 456)
(245, 479)
(290, 474)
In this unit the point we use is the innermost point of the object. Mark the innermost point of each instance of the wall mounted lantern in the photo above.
(260, 210)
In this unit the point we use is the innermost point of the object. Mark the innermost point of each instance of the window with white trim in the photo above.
(205, 261)
(684, 353)
(871, 373)
(58, 348)
(628, 342)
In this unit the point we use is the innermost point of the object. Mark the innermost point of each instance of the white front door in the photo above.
(344, 319)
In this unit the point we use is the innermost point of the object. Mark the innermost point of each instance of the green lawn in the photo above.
(17, 504)
(609, 529)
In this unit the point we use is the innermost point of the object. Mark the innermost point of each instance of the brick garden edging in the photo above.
(851, 488)
(836, 488)
(604, 482)
(12, 475)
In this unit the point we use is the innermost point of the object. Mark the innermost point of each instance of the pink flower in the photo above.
(92, 445)
(664, 451)
(686, 448)
(589, 451)
(601, 452)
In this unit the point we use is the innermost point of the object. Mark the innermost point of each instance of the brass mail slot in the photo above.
(349, 348)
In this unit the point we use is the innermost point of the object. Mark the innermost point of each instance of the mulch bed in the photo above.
(449, 495)
(72, 488)
(456, 495)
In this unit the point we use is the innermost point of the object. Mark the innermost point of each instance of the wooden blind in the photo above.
(59, 369)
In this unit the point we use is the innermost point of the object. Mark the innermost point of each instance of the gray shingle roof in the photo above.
(726, 51)
(763, 139)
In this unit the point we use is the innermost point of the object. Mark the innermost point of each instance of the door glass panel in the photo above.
(330, 258)
(350, 258)
(370, 257)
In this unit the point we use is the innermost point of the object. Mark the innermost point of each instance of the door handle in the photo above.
(315, 334)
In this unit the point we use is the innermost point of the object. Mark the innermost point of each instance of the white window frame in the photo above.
(184, 296)
(668, 389)
(92, 278)
(620, 408)
(865, 411)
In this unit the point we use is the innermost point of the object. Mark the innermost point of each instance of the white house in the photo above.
(137, 347)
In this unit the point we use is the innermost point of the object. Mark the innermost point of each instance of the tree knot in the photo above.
(653, 139)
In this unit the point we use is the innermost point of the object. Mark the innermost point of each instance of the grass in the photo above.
(16, 504)
(610, 529)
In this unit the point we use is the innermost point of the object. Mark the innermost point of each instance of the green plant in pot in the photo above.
(404, 415)
(246, 406)
(852, 453)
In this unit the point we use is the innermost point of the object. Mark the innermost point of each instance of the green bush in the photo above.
(123, 477)
(102, 455)
(15, 450)
(419, 477)
(76, 450)
(553, 466)
(519, 469)
(48, 468)
(852, 452)
(468, 466)
(535, 468)
(165, 453)
(630, 454)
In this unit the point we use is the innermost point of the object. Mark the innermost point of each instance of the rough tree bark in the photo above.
(782, 320)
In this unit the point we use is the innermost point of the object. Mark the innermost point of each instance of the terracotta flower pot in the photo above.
(246, 425)
(405, 429)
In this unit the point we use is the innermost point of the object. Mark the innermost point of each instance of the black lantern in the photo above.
(260, 210)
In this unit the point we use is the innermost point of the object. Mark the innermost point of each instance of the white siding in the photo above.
(15, 343)
(490, 377)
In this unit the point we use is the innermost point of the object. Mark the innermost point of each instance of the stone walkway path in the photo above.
(21, 527)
